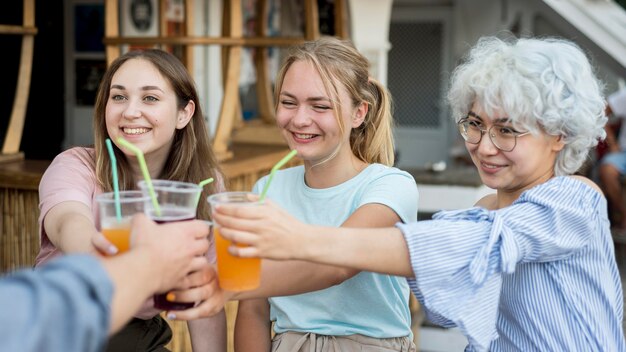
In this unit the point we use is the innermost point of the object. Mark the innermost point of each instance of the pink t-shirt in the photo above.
(71, 177)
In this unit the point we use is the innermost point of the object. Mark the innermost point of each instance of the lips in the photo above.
(490, 167)
(135, 130)
(304, 136)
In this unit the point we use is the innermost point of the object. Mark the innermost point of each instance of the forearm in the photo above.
(253, 326)
(208, 334)
(611, 140)
(72, 234)
(382, 250)
(284, 278)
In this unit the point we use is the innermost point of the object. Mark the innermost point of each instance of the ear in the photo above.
(359, 114)
(557, 143)
(185, 115)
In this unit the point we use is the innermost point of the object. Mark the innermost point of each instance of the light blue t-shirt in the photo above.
(369, 304)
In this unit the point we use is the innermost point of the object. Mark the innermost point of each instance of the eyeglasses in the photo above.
(503, 137)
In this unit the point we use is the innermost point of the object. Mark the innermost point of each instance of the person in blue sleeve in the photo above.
(529, 268)
(73, 303)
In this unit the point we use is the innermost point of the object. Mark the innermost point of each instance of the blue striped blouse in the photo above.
(539, 275)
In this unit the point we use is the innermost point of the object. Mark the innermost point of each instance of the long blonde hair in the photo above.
(191, 157)
(338, 62)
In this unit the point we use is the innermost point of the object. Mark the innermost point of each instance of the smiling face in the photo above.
(530, 163)
(307, 120)
(143, 109)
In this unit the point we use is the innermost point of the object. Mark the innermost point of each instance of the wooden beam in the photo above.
(258, 132)
(199, 40)
(15, 129)
(311, 20)
(19, 30)
(341, 19)
(189, 30)
(231, 83)
(261, 61)
(111, 29)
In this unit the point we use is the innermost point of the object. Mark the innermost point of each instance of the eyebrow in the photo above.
(144, 88)
(500, 120)
(313, 99)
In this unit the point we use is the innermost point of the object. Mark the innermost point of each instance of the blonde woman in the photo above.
(339, 120)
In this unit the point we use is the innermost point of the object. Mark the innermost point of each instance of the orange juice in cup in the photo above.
(234, 273)
(116, 214)
(119, 237)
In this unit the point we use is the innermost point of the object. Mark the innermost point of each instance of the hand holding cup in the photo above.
(265, 231)
(177, 249)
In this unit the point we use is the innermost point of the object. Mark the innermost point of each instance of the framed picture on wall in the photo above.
(139, 18)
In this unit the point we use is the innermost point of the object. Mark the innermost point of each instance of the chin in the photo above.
(489, 180)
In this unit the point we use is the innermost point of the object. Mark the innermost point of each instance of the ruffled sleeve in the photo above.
(459, 256)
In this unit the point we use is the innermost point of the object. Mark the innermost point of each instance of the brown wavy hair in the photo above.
(191, 157)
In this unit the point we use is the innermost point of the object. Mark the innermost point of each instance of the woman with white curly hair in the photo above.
(529, 268)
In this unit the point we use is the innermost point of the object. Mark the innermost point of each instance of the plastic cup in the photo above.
(117, 229)
(177, 201)
(234, 273)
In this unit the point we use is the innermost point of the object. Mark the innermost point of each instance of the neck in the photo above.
(155, 167)
(506, 197)
(332, 172)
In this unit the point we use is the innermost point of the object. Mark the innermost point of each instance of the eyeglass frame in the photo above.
(487, 131)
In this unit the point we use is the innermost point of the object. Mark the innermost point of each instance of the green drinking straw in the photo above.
(144, 171)
(202, 184)
(116, 187)
(205, 182)
(278, 165)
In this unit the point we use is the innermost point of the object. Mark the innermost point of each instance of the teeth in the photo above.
(136, 130)
(489, 166)
(304, 136)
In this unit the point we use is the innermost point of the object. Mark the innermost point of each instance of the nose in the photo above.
(486, 146)
(301, 117)
(132, 110)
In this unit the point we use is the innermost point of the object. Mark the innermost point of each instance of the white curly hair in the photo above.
(545, 84)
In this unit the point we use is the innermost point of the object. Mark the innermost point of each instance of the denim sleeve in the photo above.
(62, 306)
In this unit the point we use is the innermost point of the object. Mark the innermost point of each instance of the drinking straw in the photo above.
(205, 182)
(144, 171)
(116, 186)
(278, 165)
(202, 184)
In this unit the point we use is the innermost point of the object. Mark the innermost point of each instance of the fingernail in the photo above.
(171, 315)
(170, 297)
(112, 250)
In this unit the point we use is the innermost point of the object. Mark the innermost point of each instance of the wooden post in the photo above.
(312, 20)
(341, 19)
(261, 61)
(231, 84)
(111, 29)
(189, 23)
(13, 138)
